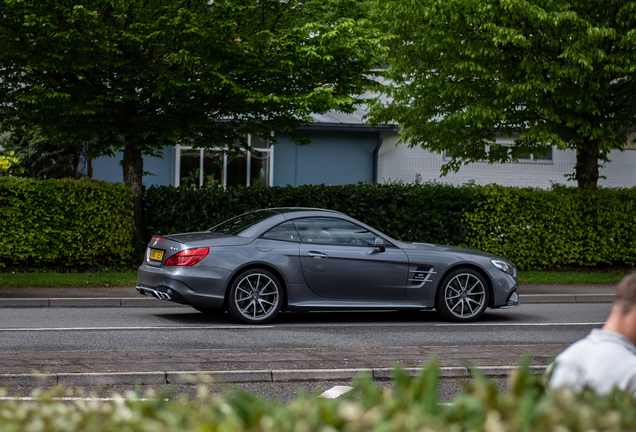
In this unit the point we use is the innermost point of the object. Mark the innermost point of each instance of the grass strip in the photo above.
(129, 279)
(569, 277)
(68, 280)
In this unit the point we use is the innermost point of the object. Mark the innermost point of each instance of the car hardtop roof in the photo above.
(306, 211)
(299, 209)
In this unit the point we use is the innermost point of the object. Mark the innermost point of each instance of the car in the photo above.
(301, 259)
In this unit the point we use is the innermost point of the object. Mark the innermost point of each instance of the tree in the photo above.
(33, 156)
(136, 75)
(547, 72)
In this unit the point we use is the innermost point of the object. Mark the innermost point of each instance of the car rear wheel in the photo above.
(462, 296)
(255, 297)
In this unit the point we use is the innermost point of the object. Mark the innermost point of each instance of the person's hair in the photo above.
(626, 293)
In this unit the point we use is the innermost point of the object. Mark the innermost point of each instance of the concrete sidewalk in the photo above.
(79, 368)
(128, 297)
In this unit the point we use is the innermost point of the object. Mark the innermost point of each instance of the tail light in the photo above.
(188, 257)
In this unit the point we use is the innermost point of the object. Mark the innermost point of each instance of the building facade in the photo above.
(399, 162)
(347, 151)
(344, 151)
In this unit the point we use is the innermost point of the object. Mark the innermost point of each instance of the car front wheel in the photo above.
(255, 297)
(462, 296)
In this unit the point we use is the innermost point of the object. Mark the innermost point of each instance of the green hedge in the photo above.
(417, 212)
(413, 406)
(561, 227)
(535, 228)
(88, 223)
(64, 223)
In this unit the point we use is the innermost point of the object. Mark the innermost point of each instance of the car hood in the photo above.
(448, 248)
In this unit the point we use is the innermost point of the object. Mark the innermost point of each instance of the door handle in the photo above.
(315, 254)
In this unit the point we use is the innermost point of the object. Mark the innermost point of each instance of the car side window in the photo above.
(333, 231)
(285, 232)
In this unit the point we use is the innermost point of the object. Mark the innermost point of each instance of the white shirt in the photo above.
(603, 360)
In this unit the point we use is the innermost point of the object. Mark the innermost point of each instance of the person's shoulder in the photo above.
(616, 340)
(582, 344)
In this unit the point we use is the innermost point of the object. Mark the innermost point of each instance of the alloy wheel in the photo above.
(257, 297)
(465, 295)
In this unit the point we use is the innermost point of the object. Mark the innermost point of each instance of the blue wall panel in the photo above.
(335, 158)
(108, 168)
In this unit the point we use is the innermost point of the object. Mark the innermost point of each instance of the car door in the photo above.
(340, 261)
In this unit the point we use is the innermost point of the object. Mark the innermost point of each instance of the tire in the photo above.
(462, 296)
(255, 297)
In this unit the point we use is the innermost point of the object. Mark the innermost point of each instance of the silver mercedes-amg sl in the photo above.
(299, 259)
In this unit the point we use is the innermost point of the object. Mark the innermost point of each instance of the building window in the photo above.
(533, 157)
(215, 168)
(448, 154)
(522, 157)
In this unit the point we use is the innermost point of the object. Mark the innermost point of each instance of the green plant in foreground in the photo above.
(412, 406)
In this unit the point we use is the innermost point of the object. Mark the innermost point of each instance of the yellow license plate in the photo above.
(156, 254)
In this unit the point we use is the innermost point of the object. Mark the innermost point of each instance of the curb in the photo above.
(103, 302)
(96, 302)
(240, 376)
(565, 298)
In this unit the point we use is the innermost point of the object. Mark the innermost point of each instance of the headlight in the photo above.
(504, 267)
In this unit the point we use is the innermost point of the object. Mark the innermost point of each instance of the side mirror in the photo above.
(379, 244)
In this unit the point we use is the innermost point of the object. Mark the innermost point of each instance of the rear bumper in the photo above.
(195, 286)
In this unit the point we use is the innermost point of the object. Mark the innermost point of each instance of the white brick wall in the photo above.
(403, 163)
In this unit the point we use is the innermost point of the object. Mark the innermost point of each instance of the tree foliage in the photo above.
(35, 157)
(546, 72)
(136, 75)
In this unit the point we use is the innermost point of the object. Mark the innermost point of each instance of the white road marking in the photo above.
(335, 392)
(258, 327)
(566, 295)
(517, 324)
(246, 327)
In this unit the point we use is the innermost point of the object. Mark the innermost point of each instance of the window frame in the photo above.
(531, 160)
(176, 165)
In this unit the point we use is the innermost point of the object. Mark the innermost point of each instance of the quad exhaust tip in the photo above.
(161, 295)
(156, 294)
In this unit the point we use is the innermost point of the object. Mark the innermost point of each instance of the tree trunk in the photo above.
(89, 167)
(77, 151)
(133, 165)
(89, 162)
(586, 168)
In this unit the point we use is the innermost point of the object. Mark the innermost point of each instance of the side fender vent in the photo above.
(421, 275)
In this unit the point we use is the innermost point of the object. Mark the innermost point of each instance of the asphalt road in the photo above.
(103, 340)
(60, 329)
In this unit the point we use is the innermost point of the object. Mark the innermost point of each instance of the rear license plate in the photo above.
(156, 254)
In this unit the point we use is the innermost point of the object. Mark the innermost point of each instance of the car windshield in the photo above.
(240, 223)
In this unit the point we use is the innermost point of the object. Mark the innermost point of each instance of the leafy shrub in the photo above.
(9, 164)
(89, 223)
(535, 228)
(561, 227)
(413, 406)
(412, 212)
(64, 223)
